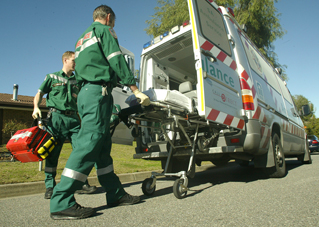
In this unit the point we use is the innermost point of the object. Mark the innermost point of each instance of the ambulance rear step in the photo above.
(187, 152)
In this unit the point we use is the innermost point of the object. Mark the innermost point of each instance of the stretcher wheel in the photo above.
(179, 189)
(146, 186)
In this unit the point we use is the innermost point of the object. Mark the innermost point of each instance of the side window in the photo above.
(212, 25)
(285, 91)
(259, 64)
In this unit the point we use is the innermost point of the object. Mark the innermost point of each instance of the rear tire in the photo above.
(279, 170)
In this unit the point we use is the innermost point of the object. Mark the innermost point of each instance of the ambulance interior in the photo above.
(171, 64)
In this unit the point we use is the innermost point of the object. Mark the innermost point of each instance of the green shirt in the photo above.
(62, 91)
(94, 66)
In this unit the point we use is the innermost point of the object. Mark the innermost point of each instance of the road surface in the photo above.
(225, 196)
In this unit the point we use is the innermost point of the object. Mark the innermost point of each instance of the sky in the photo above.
(37, 32)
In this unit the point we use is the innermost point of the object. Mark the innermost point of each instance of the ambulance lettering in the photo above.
(217, 73)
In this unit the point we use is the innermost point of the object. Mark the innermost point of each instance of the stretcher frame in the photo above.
(177, 120)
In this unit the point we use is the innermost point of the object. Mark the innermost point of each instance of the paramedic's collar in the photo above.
(64, 74)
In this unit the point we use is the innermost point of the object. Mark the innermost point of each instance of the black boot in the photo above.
(48, 193)
(75, 212)
(127, 199)
(87, 189)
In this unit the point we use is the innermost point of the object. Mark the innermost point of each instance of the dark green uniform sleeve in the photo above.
(45, 87)
(115, 57)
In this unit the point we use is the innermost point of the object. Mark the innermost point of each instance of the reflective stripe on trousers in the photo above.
(74, 175)
(105, 170)
(50, 169)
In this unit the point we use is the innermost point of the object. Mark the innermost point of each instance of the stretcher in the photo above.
(179, 136)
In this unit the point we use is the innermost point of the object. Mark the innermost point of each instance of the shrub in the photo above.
(11, 126)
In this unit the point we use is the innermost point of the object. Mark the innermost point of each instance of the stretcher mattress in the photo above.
(173, 97)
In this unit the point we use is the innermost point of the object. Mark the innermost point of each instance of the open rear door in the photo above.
(218, 86)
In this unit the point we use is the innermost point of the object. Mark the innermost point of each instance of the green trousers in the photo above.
(63, 127)
(92, 147)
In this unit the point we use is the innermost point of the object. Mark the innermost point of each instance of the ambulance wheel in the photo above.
(179, 189)
(146, 187)
(279, 170)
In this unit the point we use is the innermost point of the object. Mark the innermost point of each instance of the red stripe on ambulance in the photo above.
(227, 119)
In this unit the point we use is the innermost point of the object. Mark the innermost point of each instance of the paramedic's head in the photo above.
(68, 61)
(105, 15)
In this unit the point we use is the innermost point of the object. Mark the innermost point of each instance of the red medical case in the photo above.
(24, 144)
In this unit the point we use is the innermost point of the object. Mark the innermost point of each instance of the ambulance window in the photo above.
(259, 64)
(285, 91)
(212, 25)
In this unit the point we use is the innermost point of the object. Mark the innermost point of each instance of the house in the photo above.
(17, 107)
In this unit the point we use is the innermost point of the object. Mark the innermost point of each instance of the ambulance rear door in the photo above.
(218, 86)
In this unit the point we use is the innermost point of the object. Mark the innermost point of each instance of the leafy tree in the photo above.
(301, 100)
(168, 14)
(260, 18)
(11, 126)
(263, 27)
(310, 121)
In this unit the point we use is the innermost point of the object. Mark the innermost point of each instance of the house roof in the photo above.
(6, 100)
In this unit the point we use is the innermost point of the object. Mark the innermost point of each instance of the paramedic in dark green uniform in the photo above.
(99, 61)
(62, 90)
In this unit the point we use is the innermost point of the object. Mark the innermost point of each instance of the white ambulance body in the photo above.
(122, 135)
(234, 88)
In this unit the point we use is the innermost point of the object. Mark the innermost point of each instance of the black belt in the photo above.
(66, 112)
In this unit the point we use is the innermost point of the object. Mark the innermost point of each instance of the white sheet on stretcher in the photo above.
(165, 96)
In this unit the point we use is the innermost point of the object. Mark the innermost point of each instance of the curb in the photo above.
(22, 189)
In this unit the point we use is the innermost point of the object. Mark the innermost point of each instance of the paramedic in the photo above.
(99, 61)
(62, 90)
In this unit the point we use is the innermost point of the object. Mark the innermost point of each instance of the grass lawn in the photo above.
(17, 172)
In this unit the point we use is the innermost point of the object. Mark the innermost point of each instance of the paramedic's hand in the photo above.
(145, 100)
(36, 113)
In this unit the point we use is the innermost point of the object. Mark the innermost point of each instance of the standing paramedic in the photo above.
(99, 61)
(62, 90)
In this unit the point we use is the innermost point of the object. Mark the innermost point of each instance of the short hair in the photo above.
(102, 11)
(67, 54)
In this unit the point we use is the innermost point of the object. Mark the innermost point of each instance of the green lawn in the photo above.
(17, 172)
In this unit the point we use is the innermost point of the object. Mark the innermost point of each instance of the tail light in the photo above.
(230, 10)
(186, 23)
(236, 140)
(314, 142)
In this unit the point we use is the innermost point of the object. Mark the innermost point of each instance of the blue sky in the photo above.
(36, 33)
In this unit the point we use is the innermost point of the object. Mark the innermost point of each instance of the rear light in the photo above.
(137, 122)
(248, 102)
(236, 140)
(145, 149)
(230, 10)
(314, 142)
(247, 98)
(186, 23)
(247, 95)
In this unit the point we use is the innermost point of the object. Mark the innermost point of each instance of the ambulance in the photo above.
(239, 101)
(122, 135)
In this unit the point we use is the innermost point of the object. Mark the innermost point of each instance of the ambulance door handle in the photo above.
(209, 55)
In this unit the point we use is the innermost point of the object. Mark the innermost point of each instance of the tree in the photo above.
(301, 100)
(168, 14)
(311, 122)
(260, 18)
(263, 27)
